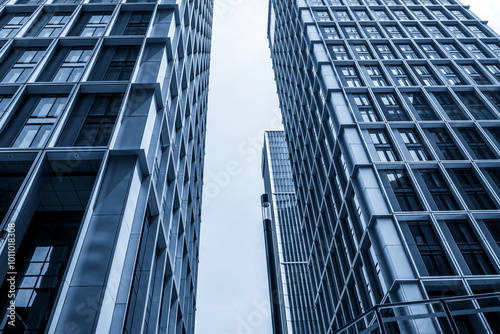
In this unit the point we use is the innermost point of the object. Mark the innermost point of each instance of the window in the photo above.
(4, 103)
(384, 51)
(476, 143)
(495, 70)
(459, 14)
(450, 75)
(495, 48)
(420, 14)
(440, 14)
(351, 33)
(407, 51)
(473, 73)
(330, 33)
(43, 256)
(376, 76)
(414, 145)
(401, 14)
(362, 15)
(494, 229)
(429, 248)
(68, 64)
(23, 61)
(92, 120)
(392, 109)
(50, 24)
(132, 23)
(400, 76)
(475, 50)
(453, 51)
(494, 98)
(381, 14)
(449, 106)
(350, 76)
(456, 31)
(494, 177)
(435, 31)
(316, 2)
(445, 146)
(322, 16)
(115, 64)
(73, 65)
(471, 189)
(28, 2)
(414, 31)
(100, 120)
(372, 32)
(365, 108)
(148, 249)
(477, 31)
(422, 108)
(400, 189)
(475, 105)
(10, 23)
(383, 146)
(91, 24)
(495, 133)
(425, 76)
(38, 126)
(470, 247)
(342, 15)
(393, 31)
(441, 194)
(339, 52)
(430, 51)
(361, 51)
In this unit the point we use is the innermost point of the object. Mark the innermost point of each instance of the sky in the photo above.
(232, 279)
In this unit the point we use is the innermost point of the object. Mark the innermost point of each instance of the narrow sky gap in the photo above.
(232, 290)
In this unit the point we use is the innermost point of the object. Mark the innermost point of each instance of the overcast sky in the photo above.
(232, 286)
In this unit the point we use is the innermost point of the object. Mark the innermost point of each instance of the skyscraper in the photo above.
(289, 289)
(103, 109)
(391, 110)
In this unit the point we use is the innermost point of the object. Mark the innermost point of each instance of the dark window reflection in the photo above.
(42, 259)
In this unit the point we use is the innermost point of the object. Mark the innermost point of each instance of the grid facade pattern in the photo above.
(293, 295)
(391, 113)
(103, 108)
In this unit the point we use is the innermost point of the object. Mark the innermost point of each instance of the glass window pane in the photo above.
(470, 247)
(26, 136)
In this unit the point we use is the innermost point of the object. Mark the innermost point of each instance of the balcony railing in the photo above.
(452, 315)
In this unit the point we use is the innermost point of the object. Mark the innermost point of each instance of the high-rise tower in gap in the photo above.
(103, 108)
(391, 111)
(289, 288)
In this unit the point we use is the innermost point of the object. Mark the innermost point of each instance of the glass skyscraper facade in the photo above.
(103, 109)
(391, 111)
(289, 290)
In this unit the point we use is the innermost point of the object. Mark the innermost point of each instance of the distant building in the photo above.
(103, 107)
(391, 111)
(289, 289)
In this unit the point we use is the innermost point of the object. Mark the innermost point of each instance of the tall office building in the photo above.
(391, 110)
(289, 289)
(102, 132)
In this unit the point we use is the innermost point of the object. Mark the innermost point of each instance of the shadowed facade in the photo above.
(103, 110)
